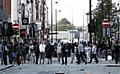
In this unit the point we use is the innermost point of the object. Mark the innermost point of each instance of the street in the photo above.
(93, 68)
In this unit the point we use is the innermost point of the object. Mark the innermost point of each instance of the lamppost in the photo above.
(72, 23)
(51, 20)
(56, 19)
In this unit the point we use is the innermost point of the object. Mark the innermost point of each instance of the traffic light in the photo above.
(90, 28)
(32, 31)
(93, 27)
(10, 31)
(1, 27)
(4, 29)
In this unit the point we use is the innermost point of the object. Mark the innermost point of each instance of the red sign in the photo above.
(105, 23)
(15, 26)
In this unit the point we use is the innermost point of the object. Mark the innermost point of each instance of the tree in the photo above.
(105, 10)
(80, 29)
(63, 24)
(64, 21)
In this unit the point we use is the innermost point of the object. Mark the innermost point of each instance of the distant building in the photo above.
(67, 35)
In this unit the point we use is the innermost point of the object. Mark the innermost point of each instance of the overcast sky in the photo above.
(80, 7)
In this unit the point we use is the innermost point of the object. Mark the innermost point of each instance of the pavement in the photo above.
(103, 67)
(3, 67)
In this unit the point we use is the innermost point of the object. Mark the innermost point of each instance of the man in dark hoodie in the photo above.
(64, 53)
(37, 52)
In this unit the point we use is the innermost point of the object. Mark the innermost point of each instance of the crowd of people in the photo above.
(34, 52)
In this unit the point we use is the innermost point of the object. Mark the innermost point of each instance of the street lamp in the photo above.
(51, 20)
(72, 23)
(56, 19)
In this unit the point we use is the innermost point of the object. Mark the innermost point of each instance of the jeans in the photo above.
(64, 55)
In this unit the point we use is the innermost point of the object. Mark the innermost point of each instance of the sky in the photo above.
(80, 8)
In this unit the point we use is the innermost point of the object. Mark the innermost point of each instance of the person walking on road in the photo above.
(73, 50)
(81, 50)
(94, 53)
(87, 52)
(42, 52)
(117, 52)
(59, 53)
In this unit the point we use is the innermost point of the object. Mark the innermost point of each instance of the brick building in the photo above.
(5, 9)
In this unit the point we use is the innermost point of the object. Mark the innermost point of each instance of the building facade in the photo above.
(5, 9)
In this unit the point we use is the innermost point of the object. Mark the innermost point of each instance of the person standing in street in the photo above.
(94, 53)
(59, 53)
(64, 53)
(32, 54)
(36, 50)
(5, 52)
(117, 51)
(42, 52)
(48, 52)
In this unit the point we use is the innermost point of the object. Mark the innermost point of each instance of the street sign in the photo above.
(15, 26)
(25, 21)
(105, 23)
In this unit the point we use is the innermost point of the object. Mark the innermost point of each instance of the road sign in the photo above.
(25, 21)
(15, 26)
(105, 23)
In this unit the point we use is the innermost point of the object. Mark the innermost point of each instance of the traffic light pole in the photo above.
(90, 19)
(118, 27)
(43, 20)
(106, 43)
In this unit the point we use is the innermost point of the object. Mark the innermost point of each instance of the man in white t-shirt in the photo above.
(42, 52)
